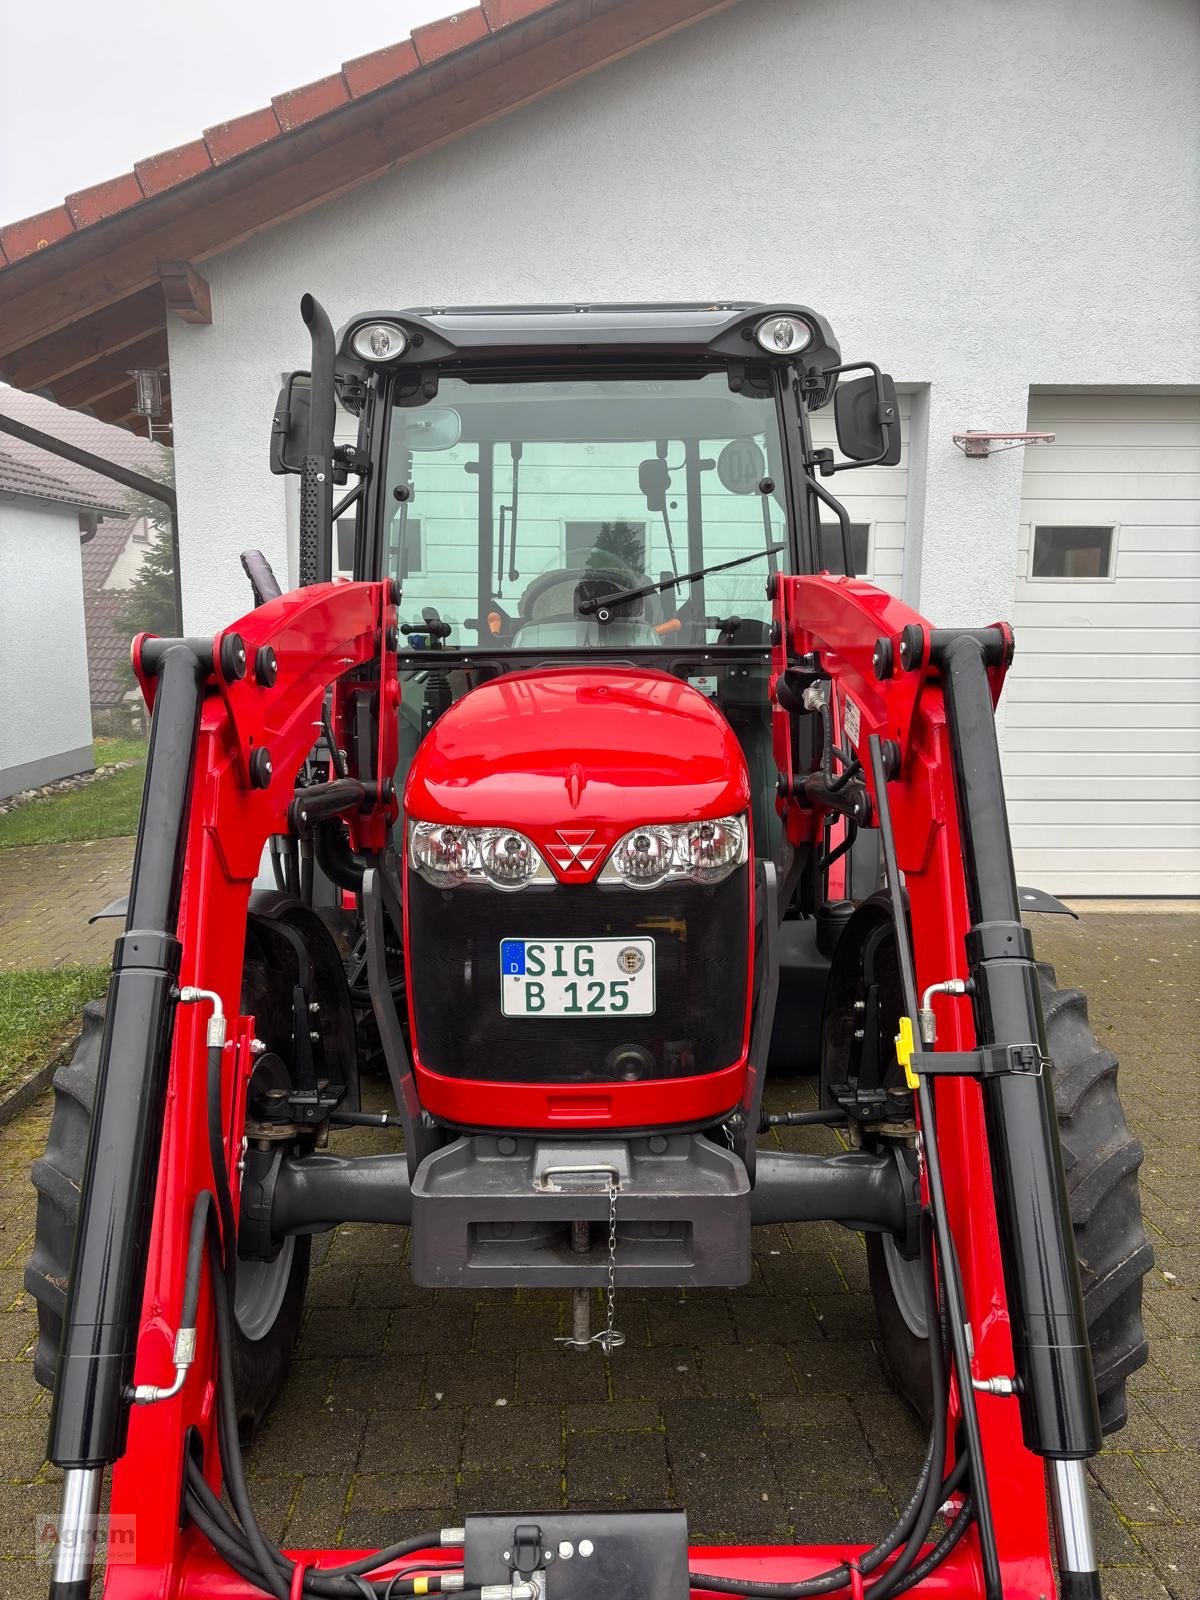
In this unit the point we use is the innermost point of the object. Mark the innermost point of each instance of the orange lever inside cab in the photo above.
(671, 625)
(493, 622)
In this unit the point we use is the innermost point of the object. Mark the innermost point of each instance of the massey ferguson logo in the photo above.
(575, 849)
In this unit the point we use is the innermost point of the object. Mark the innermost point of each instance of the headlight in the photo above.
(441, 855)
(783, 335)
(714, 848)
(379, 341)
(645, 856)
(705, 852)
(508, 859)
(446, 855)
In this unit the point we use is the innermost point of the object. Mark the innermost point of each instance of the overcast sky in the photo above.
(88, 87)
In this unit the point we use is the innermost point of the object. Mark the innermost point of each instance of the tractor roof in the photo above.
(675, 331)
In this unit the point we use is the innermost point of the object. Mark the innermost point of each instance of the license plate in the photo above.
(577, 977)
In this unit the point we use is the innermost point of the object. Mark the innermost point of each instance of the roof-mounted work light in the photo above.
(783, 335)
(379, 341)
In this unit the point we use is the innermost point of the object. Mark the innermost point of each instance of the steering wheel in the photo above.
(553, 594)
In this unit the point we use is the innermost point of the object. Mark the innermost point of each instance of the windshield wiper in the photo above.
(599, 606)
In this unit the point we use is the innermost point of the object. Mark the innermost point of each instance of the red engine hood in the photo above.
(575, 757)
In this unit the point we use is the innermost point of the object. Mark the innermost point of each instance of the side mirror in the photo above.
(868, 428)
(289, 425)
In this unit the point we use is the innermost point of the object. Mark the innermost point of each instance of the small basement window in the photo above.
(1067, 552)
(860, 547)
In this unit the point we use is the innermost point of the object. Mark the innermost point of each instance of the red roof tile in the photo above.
(442, 38)
(369, 72)
(35, 233)
(38, 322)
(431, 42)
(503, 13)
(102, 199)
(311, 100)
(234, 138)
(170, 167)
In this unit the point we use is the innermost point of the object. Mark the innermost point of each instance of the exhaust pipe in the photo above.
(316, 477)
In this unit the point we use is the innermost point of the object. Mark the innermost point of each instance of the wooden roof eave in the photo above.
(96, 291)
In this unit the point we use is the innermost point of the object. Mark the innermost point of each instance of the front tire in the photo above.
(1101, 1158)
(270, 1295)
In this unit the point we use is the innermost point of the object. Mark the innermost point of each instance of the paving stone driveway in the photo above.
(764, 1411)
(47, 894)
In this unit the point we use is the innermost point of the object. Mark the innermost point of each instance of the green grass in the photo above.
(106, 751)
(106, 809)
(38, 1010)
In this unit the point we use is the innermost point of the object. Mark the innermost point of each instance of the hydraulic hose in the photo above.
(246, 1547)
(934, 1495)
(277, 863)
(917, 1517)
(340, 864)
(224, 1287)
(185, 1334)
(952, 1535)
(195, 1259)
(229, 1548)
(838, 1577)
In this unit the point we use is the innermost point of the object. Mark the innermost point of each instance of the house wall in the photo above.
(980, 196)
(45, 717)
(128, 564)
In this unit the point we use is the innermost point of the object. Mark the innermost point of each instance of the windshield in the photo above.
(513, 507)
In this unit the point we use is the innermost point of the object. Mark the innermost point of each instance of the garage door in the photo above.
(876, 498)
(1102, 741)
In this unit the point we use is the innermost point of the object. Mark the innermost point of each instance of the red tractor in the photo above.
(600, 788)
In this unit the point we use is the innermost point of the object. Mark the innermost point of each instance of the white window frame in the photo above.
(1109, 577)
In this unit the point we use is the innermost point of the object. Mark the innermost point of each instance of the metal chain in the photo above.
(609, 1339)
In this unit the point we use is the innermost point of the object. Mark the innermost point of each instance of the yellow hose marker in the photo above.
(904, 1052)
(420, 1585)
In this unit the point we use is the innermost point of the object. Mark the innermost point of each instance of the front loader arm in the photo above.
(233, 720)
(912, 706)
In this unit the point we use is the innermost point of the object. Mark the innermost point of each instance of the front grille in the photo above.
(701, 950)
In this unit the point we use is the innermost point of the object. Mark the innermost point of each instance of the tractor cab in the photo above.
(590, 485)
(539, 523)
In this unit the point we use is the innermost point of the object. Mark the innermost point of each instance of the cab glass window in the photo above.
(511, 506)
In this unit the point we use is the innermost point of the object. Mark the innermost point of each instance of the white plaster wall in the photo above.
(45, 714)
(980, 194)
(127, 565)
